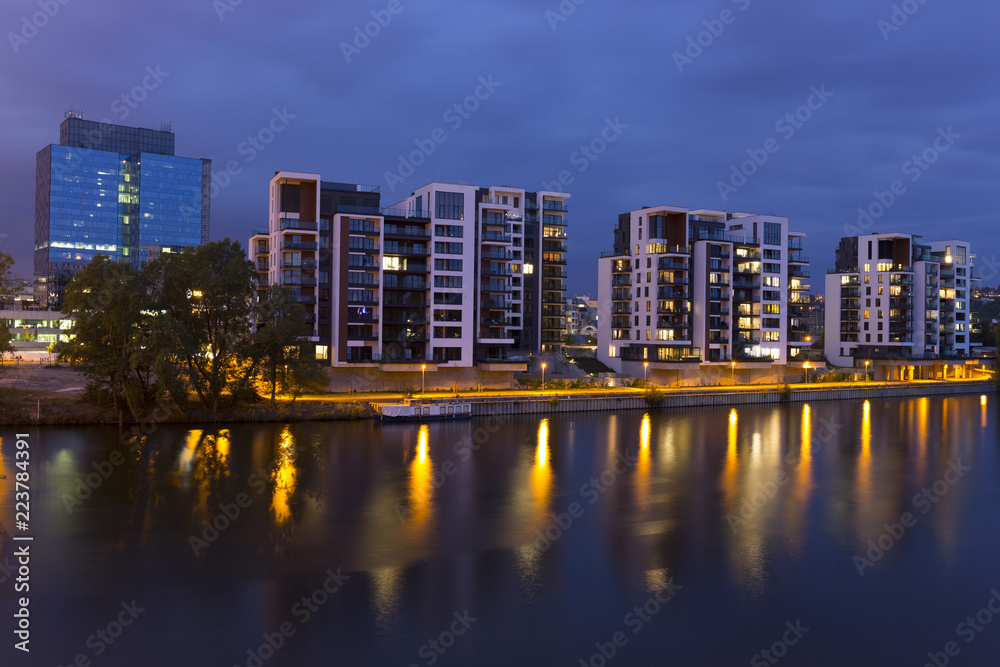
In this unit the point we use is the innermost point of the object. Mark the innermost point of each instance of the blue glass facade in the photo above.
(129, 206)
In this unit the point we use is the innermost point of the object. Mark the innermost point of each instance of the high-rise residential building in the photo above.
(117, 191)
(702, 286)
(893, 296)
(454, 275)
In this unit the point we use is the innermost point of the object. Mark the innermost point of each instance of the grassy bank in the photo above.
(26, 406)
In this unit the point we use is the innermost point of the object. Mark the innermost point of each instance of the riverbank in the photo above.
(65, 406)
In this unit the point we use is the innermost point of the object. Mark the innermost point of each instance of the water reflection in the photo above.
(284, 476)
(422, 542)
(421, 488)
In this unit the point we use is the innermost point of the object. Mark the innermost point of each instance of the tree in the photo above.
(112, 344)
(9, 287)
(281, 324)
(204, 297)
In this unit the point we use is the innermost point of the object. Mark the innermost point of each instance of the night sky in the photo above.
(683, 92)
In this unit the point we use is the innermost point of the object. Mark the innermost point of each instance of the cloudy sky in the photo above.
(835, 101)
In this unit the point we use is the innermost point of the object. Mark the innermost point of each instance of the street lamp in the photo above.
(732, 380)
(645, 367)
(807, 372)
(543, 375)
(423, 372)
(866, 370)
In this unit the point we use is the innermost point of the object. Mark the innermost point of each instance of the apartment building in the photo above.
(702, 287)
(893, 296)
(453, 276)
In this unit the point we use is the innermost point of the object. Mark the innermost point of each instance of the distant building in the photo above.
(892, 296)
(703, 287)
(453, 276)
(117, 191)
(817, 319)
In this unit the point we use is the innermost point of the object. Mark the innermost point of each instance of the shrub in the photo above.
(785, 393)
(653, 396)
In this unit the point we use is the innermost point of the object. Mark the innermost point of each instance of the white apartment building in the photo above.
(452, 276)
(892, 296)
(702, 287)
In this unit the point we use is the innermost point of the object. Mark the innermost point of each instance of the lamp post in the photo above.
(645, 367)
(866, 370)
(732, 374)
(807, 372)
(543, 374)
(423, 372)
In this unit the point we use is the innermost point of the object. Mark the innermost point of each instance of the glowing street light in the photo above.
(733, 374)
(423, 372)
(807, 371)
(543, 374)
(645, 367)
(866, 370)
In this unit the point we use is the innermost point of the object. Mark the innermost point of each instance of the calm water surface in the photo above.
(691, 537)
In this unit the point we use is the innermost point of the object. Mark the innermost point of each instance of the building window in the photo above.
(450, 205)
(454, 231)
(447, 265)
(447, 248)
(447, 281)
(772, 233)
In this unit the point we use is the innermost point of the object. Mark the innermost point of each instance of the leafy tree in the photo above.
(9, 287)
(204, 297)
(112, 345)
(281, 324)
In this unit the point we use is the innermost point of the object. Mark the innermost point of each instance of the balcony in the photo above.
(407, 231)
(497, 255)
(741, 283)
(495, 237)
(408, 267)
(668, 264)
(307, 264)
(359, 210)
(675, 280)
(797, 258)
(359, 262)
(293, 223)
(359, 246)
(363, 227)
(415, 285)
(412, 250)
(305, 300)
(495, 272)
(299, 245)
(356, 280)
(299, 281)
(362, 298)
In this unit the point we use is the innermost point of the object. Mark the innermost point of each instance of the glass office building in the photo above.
(117, 191)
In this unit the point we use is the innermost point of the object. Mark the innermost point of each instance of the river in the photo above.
(834, 533)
